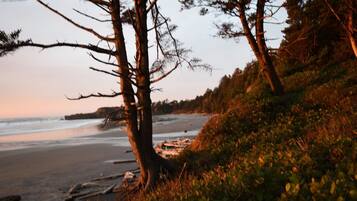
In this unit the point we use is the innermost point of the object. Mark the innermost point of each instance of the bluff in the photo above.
(113, 113)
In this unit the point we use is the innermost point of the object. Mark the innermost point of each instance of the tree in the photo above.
(314, 34)
(346, 20)
(135, 80)
(243, 10)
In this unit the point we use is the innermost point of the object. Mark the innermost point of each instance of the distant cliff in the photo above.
(113, 113)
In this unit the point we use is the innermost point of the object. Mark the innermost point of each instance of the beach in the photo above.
(46, 170)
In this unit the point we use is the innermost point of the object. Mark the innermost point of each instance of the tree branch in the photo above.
(29, 43)
(101, 61)
(100, 2)
(105, 72)
(97, 95)
(91, 17)
(152, 4)
(165, 74)
(76, 24)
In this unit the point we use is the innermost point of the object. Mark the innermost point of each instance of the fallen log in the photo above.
(90, 195)
(173, 145)
(74, 196)
(105, 191)
(124, 161)
(114, 176)
(75, 189)
(109, 189)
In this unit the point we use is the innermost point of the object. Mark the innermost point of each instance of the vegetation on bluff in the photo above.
(300, 146)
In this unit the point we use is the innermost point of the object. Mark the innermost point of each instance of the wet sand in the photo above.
(46, 173)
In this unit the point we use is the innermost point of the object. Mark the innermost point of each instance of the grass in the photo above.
(301, 146)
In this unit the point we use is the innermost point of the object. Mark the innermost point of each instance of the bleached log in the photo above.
(114, 176)
(109, 189)
(75, 189)
(74, 196)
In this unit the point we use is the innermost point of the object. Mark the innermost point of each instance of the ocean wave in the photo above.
(32, 125)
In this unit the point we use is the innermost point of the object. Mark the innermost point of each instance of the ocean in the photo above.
(15, 126)
(23, 133)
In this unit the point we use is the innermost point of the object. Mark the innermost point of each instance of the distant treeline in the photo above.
(220, 98)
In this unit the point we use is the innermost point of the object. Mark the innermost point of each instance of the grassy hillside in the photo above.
(300, 146)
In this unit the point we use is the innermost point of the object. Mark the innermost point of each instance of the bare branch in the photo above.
(157, 25)
(91, 17)
(101, 61)
(101, 6)
(97, 95)
(99, 2)
(152, 4)
(105, 72)
(76, 24)
(29, 43)
(166, 74)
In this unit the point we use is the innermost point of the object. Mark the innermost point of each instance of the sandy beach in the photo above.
(46, 173)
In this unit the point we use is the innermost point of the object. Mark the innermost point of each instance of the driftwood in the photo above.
(124, 161)
(114, 176)
(90, 184)
(172, 148)
(88, 194)
(74, 196)
(109, 189)
(75, 189)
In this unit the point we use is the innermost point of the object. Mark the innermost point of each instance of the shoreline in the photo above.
(45, 173)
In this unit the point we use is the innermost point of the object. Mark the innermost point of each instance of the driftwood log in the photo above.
(114, 176)
(124, 161)
(172, 148)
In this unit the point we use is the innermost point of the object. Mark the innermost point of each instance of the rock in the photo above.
(11, 198)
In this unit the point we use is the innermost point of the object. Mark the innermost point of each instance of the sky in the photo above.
(35, 83)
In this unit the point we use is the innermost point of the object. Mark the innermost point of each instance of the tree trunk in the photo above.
(350, 30)
(127, 89)
(348, 26)
(138, 117)
(153, 162)
(266, 63)
(259, 48)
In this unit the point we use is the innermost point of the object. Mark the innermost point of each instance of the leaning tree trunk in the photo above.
(259, 48)
(348, 26)
(266, 63)
(350, 29)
